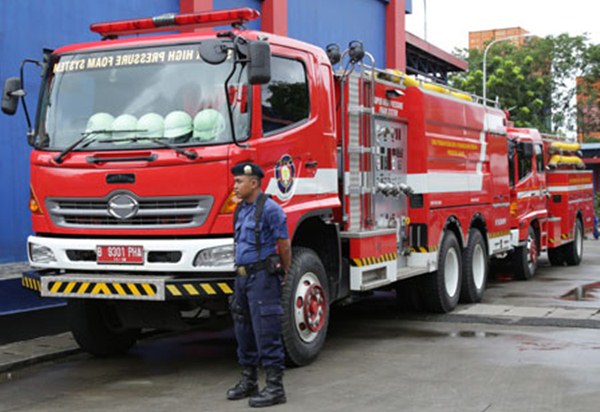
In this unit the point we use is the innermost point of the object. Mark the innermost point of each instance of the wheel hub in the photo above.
(310, 311)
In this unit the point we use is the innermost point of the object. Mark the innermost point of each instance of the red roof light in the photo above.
(171, 22)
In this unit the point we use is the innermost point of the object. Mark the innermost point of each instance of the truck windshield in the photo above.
(131, 98)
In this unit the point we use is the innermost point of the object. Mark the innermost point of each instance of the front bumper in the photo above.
(64, 249)
(144, 287)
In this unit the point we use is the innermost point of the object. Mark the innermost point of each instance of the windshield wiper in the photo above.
(188, 153)
(60, 157)
(84, 142)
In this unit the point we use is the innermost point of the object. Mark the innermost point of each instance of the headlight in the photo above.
(215, 256)
(41, 254)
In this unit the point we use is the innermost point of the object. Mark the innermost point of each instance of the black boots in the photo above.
(273, 393)
(247, 386)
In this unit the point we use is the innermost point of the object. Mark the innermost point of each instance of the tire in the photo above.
(574, 250)
(475, 268)
(97, 329)
(525, 258)
(305, 301)
(556, 256)
(442, 287)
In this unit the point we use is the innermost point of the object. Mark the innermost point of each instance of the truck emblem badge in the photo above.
(123, 206)
(285, 172)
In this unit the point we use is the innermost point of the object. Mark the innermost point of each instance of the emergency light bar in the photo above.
(171, 22)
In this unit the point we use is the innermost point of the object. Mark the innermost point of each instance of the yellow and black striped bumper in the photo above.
(134, 287)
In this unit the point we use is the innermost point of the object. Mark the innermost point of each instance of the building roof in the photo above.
(426, 59)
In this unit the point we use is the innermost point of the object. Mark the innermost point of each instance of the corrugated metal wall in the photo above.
(28, 26)
(336, 21)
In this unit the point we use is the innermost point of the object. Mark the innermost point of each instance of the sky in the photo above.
(449, 21)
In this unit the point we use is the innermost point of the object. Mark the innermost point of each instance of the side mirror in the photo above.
(11, 94)
(333, 53)
(213, 51)
(259, 66)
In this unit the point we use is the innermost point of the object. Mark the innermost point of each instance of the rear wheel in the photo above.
(97, 328)
(305, 300)
(574, 250)
(525, 258)
(442, 287)
(475, 268)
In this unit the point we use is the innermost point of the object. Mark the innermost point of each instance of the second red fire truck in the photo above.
(383, 179)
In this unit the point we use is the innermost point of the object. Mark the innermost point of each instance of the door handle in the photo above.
(311, 164)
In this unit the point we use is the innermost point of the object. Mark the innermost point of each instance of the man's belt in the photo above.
(244, 270)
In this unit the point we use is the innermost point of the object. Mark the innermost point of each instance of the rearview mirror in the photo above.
(11, 94)
(213, 51)
(259, 66)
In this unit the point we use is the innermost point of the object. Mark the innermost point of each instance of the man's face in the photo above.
(244, 186)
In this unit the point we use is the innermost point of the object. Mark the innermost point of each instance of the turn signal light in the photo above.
(513, 209)
(230, 204)
(34, 206)
(169, 22)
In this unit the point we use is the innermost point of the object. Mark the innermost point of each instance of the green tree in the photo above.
(535, 82)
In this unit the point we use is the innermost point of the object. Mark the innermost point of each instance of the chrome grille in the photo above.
(162, 212)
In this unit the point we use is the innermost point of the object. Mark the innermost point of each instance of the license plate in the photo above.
(131, 255)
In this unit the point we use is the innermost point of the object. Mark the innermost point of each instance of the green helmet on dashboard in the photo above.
(208, 124)
(151, 125)
(124, 127)
(177, 124)
(98, 122)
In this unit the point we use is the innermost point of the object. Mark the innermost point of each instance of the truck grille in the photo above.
(164, 212)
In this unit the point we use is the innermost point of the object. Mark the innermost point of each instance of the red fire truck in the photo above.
(383, 179)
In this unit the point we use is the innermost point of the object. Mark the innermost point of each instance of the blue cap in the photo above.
(247, 169)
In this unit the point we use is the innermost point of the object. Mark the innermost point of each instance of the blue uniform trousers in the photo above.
(257, 311)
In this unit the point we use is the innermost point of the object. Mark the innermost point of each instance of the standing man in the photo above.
(262, 258)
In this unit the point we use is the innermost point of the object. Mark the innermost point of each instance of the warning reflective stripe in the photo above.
(191, 289)
(225, 287)
(83, 287)
(55, 287)
(208, 289)
(100, 287)
(173, 289)
(148, 289)
(371, 260)
(120, 289)
(70, 287)
(133, 289)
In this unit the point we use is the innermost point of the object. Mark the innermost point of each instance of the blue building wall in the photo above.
(323, 22)
(28, 26)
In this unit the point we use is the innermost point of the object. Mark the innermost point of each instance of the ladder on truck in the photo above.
(374, 248)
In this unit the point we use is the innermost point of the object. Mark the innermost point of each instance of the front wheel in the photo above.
(525, 258)
(305, 300)
(97, 329)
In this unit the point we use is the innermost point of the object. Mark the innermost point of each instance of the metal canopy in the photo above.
(427, 60)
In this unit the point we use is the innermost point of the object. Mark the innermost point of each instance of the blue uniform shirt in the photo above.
(273, 226)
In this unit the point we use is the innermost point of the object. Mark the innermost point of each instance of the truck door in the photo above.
(538, 201)
(525, 187)
(295, 151)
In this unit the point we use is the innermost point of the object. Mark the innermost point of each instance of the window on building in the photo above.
(285, 100)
